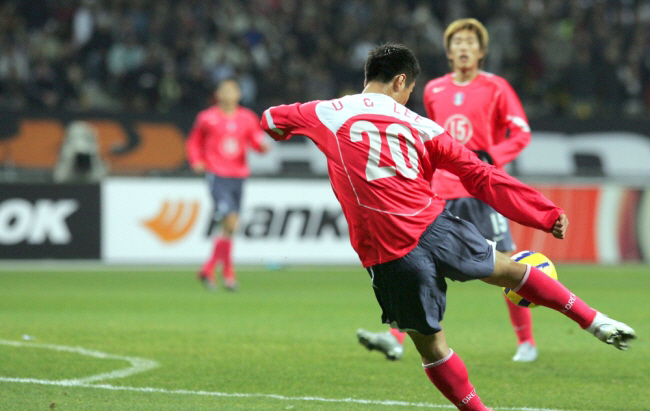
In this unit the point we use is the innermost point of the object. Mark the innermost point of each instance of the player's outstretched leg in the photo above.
(390, 343)
(522, 322)
(535, 286)
(447, 371)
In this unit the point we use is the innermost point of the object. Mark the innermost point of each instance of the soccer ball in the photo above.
(535, 259)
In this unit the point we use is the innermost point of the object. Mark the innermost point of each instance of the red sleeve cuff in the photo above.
(552, 218)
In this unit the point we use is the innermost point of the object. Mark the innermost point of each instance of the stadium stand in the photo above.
(578, 59)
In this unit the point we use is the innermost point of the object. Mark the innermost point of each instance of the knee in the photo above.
(435, 355)
(230, 224)
(507, 273)
(515, 273)
(432, 347)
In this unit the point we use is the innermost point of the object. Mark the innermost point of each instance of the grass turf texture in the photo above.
(292, 332)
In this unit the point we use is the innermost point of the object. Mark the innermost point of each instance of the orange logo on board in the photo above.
(174, 220)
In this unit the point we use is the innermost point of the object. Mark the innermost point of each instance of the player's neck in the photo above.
(465, 75)
(227, 109)
(378, 88)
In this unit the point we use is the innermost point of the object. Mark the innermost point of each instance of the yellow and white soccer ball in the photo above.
(535, 259)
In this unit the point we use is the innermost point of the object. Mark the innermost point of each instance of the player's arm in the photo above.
(195, 146)
(512, 133)
(510, 197)
(258, 141)
(281, 122)
(257, 136)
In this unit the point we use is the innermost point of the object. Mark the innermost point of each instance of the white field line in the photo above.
(137, 364)
(70, 383)
(141, 364)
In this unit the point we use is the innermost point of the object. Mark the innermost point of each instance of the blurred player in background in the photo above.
(217, 146)
(481, 111)
(381, 157)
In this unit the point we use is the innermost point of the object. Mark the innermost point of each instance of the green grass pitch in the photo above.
(286, 341)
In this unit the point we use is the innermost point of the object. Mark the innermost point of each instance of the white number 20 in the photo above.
(373, 170)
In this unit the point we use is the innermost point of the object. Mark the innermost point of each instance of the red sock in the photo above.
(450, 376)
(541, 289)
(228, 271)
(522, 322)
(398, 335)
(216, 256)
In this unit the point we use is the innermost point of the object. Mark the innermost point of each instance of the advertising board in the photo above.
(170, 221)
(43, 221)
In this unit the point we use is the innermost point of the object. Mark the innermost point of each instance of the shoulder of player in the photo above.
(246, 112)
(494, 79)
(205, 114)
(438, 81)
(335, 104)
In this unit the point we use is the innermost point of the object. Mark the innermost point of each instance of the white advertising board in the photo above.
(169, 221)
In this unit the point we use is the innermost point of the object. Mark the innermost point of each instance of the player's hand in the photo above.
(198, 167)
(560, 226)
(264, 146)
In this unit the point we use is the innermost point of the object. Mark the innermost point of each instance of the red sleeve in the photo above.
(512, 133)
(510, 197)
(281, 122)
(195, 142)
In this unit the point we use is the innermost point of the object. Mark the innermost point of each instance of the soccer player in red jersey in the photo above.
(482, 112)
(381, 158)
(217, 146)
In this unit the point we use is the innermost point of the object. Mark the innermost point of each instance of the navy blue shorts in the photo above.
(226, 193)
(489, 222)
(412, 290)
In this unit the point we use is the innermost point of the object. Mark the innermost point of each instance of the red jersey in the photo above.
(484, 114)
(381, 157)
(221, 141)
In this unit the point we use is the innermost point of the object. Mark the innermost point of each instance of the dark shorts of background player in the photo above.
(226, 193)
(412, 290)
(487, 220)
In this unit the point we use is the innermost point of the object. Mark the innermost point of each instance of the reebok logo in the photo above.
(569, 305)
(174, 220)
(469, 397)
(36, 223)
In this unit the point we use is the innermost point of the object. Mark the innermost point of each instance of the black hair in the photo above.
(389, 60)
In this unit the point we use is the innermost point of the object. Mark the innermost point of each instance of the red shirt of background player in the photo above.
(483, 114)
(220, 141)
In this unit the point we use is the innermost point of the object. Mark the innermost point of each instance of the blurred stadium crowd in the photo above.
(579, 58)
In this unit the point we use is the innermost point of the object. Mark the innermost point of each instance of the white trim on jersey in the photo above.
(350, 106)
(269, 118)
(269, 121)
